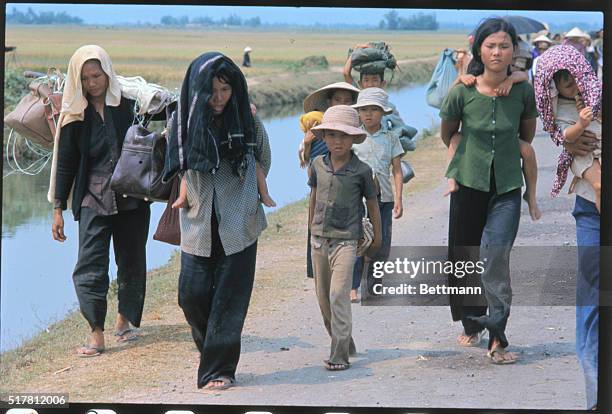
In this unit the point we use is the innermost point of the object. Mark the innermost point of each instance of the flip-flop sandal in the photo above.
(496, 356)
(98, 351)
(227, 383)
(475, 339)
(126, 335)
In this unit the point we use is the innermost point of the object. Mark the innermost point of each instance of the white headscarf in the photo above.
(74, 101)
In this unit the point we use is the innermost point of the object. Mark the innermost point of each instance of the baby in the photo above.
(574, 117)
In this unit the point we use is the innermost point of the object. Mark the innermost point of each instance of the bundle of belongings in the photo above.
(372, 59)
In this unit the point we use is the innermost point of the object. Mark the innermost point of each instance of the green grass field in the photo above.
(162, 55)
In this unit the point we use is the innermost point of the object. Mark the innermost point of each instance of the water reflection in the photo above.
(34, 293)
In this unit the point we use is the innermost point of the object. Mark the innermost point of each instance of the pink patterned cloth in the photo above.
(554, 59)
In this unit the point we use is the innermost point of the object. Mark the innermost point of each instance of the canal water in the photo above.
(36, 285)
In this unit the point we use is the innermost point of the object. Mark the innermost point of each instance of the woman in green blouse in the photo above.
(485, 210)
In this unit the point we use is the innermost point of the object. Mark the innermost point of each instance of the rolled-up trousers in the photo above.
(129, 231)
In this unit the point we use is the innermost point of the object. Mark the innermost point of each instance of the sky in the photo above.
(113, 14)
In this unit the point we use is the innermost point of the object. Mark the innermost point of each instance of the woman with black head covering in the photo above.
(216, 143)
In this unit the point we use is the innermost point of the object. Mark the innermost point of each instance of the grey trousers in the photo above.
(129, 231)
(333, 261)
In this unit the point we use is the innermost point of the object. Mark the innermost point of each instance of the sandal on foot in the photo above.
(88, 351)
(496, 356)
(474, 339)
(336, 367)
(227, 383)
(126, 335)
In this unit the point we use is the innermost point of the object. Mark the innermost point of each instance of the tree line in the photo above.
(419, 21)
(231, 20)
(44, 17)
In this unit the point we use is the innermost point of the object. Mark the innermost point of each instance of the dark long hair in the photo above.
(486, 28)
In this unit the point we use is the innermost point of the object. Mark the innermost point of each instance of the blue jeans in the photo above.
(587, 294)
(386, 220)
(498, 236)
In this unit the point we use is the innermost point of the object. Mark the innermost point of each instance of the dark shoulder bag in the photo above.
(140, 167)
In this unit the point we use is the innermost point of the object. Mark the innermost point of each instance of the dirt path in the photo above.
(407, 355)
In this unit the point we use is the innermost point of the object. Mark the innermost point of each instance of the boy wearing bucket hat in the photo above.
(339, 181)
(382, 151)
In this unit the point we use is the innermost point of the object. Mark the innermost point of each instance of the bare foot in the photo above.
(267, 200)
(532, 203)
(336, 367)
(452, 187)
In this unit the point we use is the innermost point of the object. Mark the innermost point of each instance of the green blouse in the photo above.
(489, 128)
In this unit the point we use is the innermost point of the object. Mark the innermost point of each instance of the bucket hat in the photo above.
(374, 96)
(317, 100)
(341, 118)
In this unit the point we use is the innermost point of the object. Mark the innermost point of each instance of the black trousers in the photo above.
(214, 293)
(129, 231)
(467, 219)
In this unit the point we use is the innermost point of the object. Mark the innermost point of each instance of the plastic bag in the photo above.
(442, 79)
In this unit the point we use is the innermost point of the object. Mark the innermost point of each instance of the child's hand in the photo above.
(580, 105)
(398, 210)
(586, 116)
(467, 79)
(309, 137)
(504, 88)
(253, 109)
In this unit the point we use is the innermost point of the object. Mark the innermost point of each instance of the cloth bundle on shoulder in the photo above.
(372, 59)
(442, 79)
(35, 116)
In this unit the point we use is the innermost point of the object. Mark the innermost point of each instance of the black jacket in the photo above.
(73, 153)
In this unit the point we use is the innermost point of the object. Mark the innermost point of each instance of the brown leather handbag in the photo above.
(169, 228)
(140, 167)
(36, 114)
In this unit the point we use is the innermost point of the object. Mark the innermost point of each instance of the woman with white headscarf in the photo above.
(92, 125)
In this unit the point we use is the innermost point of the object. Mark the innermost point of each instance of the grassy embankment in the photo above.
(166, 341)
(47, 362)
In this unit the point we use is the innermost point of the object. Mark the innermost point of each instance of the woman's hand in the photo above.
(585, 143)
(57, 229)
(374, 248)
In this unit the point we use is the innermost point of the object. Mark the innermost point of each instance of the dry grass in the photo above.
(162, 55)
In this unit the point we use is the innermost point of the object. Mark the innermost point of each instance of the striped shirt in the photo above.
(237, 206)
